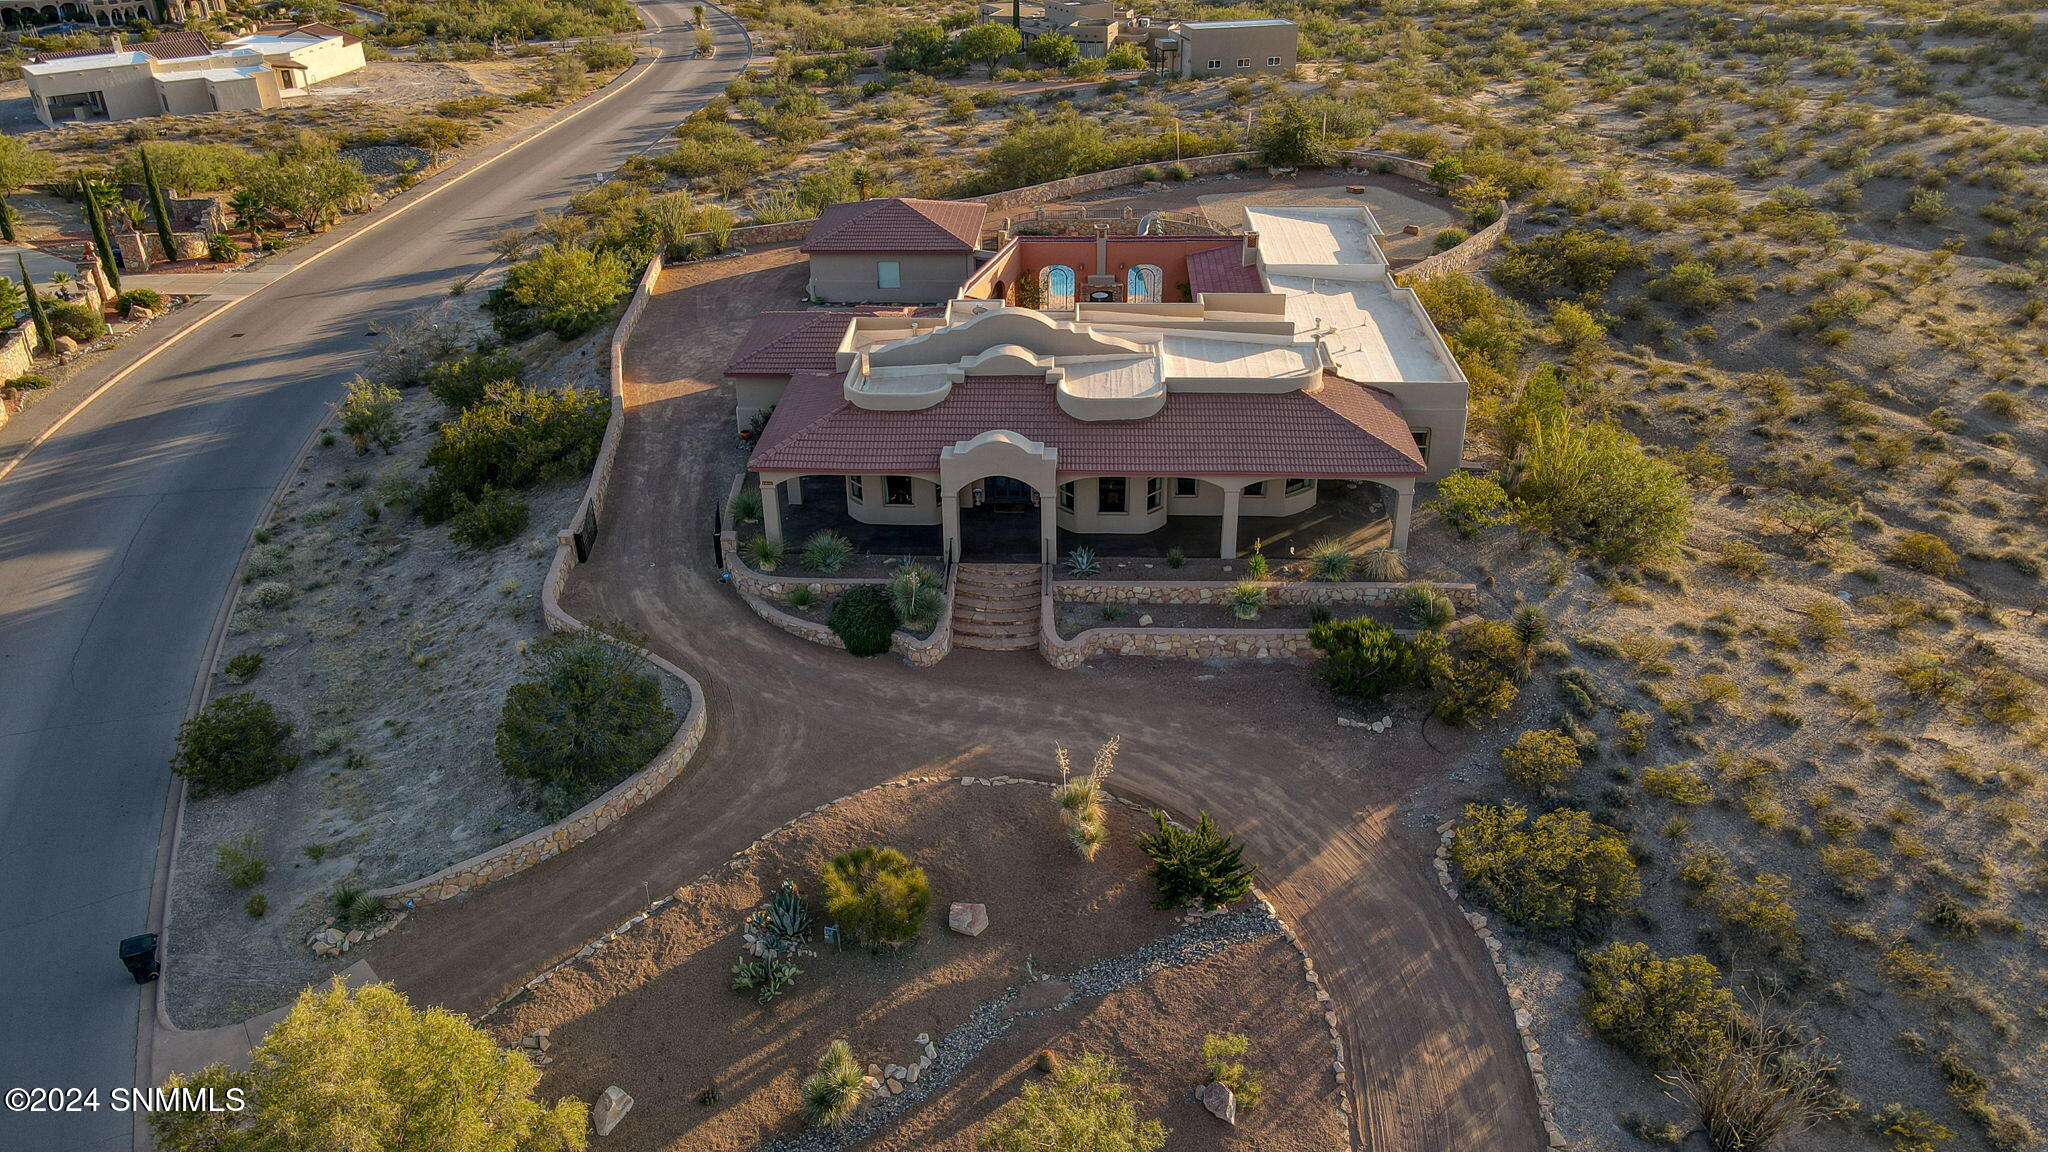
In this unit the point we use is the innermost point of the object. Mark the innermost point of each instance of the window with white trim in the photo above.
(1067, 496)
(1186, 486)
(854, 492)
(1215, 63)
(1421, 442)
(1272, 61)
(1155, 493)
(1244, 61)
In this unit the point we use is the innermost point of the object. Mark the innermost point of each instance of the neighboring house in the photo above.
(181, 73)
(1112, 382)
(1188, 49)
(108, 13)
(892, 250)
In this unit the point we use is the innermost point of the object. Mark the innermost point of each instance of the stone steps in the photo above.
(996, 606)
(995, 643)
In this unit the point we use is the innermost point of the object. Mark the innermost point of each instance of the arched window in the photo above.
(1056, 287)
(1144, 284)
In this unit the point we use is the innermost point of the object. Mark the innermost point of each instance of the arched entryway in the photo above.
(1000, 520)
(1003, 485)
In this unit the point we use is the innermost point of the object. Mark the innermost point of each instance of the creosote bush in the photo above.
(589, 714)
(1542, 759)
(1561, 872)
(1363, 657)
(877, 895)
(235, 742)
(1666, 1011)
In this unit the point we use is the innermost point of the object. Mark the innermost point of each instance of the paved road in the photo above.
(118, 537)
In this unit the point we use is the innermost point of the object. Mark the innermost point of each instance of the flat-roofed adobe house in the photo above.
(892, 250)
(182, 73)
(1114, 383)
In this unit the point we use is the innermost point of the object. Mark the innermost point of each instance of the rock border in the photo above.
(1332, 1022)
(1532, 1049)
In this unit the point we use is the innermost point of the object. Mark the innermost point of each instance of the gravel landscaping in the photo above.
(1074, 960)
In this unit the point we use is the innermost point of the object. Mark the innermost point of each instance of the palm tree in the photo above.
(249, 211)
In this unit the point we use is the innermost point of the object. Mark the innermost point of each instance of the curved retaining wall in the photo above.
(601, 813)
(1218, 592)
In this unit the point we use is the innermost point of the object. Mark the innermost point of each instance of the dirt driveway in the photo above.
(1434, 1058)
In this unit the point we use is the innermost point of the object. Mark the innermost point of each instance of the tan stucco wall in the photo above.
(1229, 45)
(129, 90)
(753, 395)
(328, 59)
(849, 278)
(259, 91)
(924, 508)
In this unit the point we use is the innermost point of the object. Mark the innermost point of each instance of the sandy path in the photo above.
(1433, 1052)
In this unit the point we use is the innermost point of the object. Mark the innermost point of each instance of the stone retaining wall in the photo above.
(1177, 644)
(1218, 592)
(1467, 255)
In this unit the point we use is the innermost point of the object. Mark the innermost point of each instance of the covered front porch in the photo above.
(1360, 514)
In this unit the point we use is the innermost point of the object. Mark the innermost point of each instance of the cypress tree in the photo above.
(158, 206)
(36, 315)
(100, 240)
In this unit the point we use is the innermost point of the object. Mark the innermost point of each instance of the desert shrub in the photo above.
(1576, 261)
(235, 742)
(1195, 865)
(464, 381)
(565, 289)
(589, 714)
(1915, 972)
(1080, 798)
(1541, 759)
(1426, 606)
(1561, 872)
(864, 619)
(1082, 1105)
(242, 667)
(1363, 657)
(1469, 502)
(1247, 599)
(1330, 560)
(490, 518)
(1223, 1060)
(1592, 487)
(765, 976)
(135, 298)
(516, 438)
(826, 551)
(240, 861)
(403, 1068)
(765, 553)
(1470, 671)
(833, 1091)
(1678, 784)
(917, 595)
(877, 895)
(1382, 565)
(1924, 552)
(1759, 1086)
(1906, 1129)
(77, 321)
(1666, 1011)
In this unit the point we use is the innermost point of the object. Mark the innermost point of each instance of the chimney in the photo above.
(1102, 249)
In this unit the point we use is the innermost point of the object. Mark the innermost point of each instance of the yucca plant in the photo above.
(1330, 561)
(1247, 599)
(765, 554)
(1080, 798)
(915, 592)
(833, 1091)
(746, 507)
(1427, 606)
(827, 551)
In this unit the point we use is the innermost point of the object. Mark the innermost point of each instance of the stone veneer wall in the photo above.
(1218, 592)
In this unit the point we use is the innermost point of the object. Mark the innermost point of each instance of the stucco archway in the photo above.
(1011, 456)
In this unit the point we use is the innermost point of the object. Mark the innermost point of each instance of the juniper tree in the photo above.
(159, 207)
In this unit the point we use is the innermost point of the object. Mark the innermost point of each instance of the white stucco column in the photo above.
(1048, 526)
(949, 522)
(771, 509)
(1404, 506)
(1228, 547)
(796, 490)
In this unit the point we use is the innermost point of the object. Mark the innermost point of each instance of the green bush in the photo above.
(589, 714)
(77, 321)
(1592, 487)
(1677, 783)
(1195, 865)
(833, 1091)
(1925, 552)
(864, 619)
(241, 861)
(1363, 657)
(463, 382)
(1574, 262)
(765, 976)
(1470, 670)
(567, 290)
(1666, 1011)
(1331, 561)
(235, 742)
(876, 894)
(746, 507)
(765, 554)
(1082, 1105)
(1426, 606)
(222, 249)
(1222, 1060)
(1562, 872)
(1469, 502)
(827, 551)
(491, 518)
(1541, 759)
(242, 667)
(135, 298)
(516, 438)
(369, 415)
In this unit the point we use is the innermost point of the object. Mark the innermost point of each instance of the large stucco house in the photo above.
(1110, 383)
(182, 73)
(1189, 49)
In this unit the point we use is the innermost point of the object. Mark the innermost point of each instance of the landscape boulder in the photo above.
(967, 919)
(64, 345)
(610, 1108)
(1220, 1101)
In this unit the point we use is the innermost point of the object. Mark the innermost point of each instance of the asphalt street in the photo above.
(119, 534)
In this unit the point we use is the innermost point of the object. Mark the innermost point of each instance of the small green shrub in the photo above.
(256, 905)
(1223, 1060)
(1678, 784)
(1925, 552)
(1426, 606)
(877, 895)
(1542, 759)
(1469, 502)
(746, 507)
(241, 861)
(1382, 566)
(491, 518)
(826, 551)
(235, 742)
(466, 380)
(833, 1092)
(77, 321)
(864, 619)
(1904, 1129)
(765, 554)
(135, 298)
(1247, 600)
(1363, 657)
(1331, 561)
(1195, 865)
(1082, 562)
(589, 714)
(515, 438)
(241, 667)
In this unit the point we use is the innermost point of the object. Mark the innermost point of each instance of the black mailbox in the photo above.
(138, 954)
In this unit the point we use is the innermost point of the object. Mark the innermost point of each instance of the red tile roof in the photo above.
(169, 46)
(1222, 269)
(898, 225)
(1343, 429)
(794, 343)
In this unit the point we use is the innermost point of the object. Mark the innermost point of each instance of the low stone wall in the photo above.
(1177, 644)
(1467, 255)
(1218, 592)
(760, 590)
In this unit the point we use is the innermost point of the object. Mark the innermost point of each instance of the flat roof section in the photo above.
(1304, 236)
(1236, 23)
(1376, 338)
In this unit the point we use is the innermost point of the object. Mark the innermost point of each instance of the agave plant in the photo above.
(766, 978)
(783, 927)
(1081, 562)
